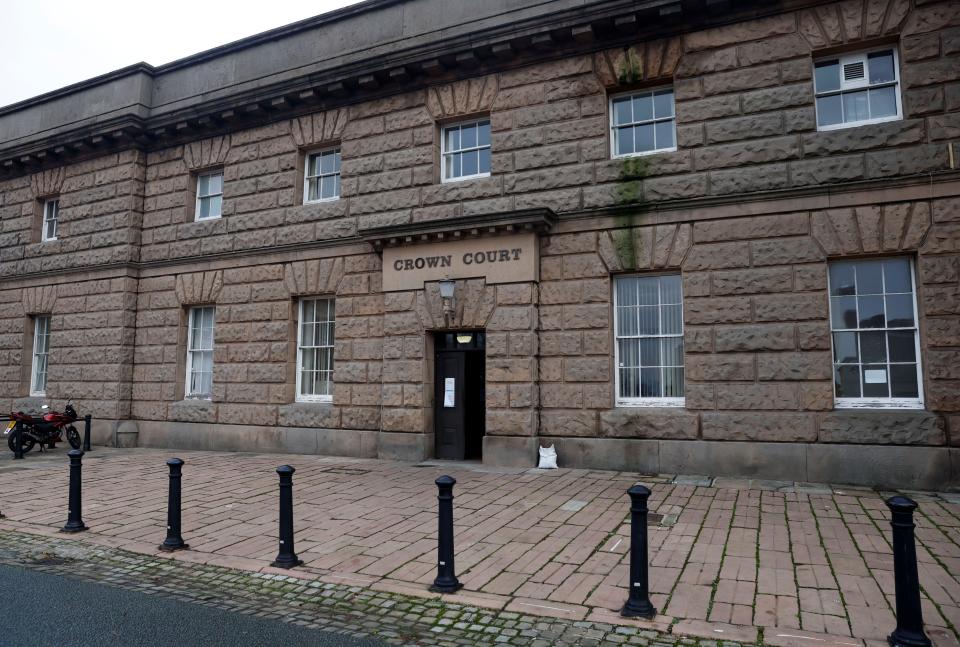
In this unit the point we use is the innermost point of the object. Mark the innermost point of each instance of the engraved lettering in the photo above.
(516, 254)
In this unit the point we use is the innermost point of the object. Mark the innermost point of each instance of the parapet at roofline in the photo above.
(32, 139)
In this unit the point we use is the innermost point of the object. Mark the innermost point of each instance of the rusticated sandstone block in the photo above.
(882, 428)
(766, 427)
(625, 422)
(207, 152)
(318, 128)
(199, 287)
(794, 366)
(39, 300)
(650, 60)
(192, 411)
(48, 182)
(560, 422)
(462, 97)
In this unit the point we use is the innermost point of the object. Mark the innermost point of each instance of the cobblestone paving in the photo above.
(352, 610)
(782, 563)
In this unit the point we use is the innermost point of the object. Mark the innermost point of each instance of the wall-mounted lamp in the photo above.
(447, 287)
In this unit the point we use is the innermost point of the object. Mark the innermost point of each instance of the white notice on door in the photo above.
(875, 376)
(449, 390)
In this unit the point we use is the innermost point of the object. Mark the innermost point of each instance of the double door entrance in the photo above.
(459, 397)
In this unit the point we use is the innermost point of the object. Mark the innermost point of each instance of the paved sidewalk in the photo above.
(780, 563)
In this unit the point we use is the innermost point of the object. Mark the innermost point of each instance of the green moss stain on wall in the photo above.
(631, 67)
(629, 191)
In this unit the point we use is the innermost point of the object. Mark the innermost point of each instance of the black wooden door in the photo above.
(451, 408)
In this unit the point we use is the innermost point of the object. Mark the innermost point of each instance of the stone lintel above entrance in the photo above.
(537, 220)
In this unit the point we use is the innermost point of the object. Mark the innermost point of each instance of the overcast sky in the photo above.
(48, 44)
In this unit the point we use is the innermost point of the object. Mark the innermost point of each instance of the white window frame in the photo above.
(444, 152)
(614, 127)
(328, 397)
(191, 323)
(51, 206)
(647, 402)
(41, 333)
(196, 213)
(335, 150)
(851, 86)
(873, 402)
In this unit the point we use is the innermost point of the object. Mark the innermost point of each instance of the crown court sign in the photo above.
(502, 259)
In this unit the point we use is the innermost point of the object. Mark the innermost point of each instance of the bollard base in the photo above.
(638, 609)
(446, 587)
(283, 561)
(74, 528)
(901, 638)
(169, 548)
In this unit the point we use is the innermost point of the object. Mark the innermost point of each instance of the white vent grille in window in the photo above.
(853, 71)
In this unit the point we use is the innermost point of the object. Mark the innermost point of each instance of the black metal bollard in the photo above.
(286, 557)
(638, 603)
(74, 516)
(909, 631)
(446, 581)
(174, 540)
(86, 433)
(18, 440)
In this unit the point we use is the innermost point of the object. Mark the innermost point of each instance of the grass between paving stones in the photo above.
(348, 610)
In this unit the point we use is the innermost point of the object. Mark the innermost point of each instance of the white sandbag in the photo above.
(548, 458)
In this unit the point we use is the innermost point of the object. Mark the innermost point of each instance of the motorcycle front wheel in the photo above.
(26, 442)
(73, 437)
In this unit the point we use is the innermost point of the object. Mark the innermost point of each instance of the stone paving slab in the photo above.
(787, 563)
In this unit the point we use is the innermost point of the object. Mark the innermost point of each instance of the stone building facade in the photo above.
(750, 209)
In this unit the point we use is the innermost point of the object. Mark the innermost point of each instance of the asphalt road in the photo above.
(43, 610)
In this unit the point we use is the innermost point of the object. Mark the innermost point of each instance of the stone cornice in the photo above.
(435, 58)
(536, 220)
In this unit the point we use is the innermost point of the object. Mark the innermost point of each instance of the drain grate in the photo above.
(349, 471)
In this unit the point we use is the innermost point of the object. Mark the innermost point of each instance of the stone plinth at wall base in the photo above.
(357, 443)
(890, 466)
(510, 451)
(127, 434)
(395, 446)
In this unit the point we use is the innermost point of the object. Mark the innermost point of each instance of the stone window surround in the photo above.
(908, 404)
(641, 402)
(659, 84)
(183, 365)
(38, 228)
(853, 50)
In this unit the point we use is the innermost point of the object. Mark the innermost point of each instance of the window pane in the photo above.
(670, 289)
(216, 206)
(871, 312)
(663, 104)
(643, 107)
(204, 208)
(672, 320)
(643, 138)
(870, 277)
(484, 160)
(827, 75)
(648, 290)
(453, 138)
(903, 381)
(203, 185)
(842, 279)
(650, 352)
(471, 162)
(621, 111)
(845, 348)
(327, 186)
(312, 188)
(873, 347)
(847, 381)
(216, 183)
(883, 102)
(673, 382)
(629, 383)
(650, 383)
(468, 136)
(672, 351)
(649, 320)
(856, 106)
(875, 381)
(829, 110)
(629, 355)
(896, 275)
(624, 141)
(900, 311)
(483, 134)
(843, 312)
(880, 65)
(626, 291)
(664, 134)
(902, 344)
(327, 163)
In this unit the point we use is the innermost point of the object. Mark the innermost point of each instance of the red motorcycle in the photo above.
(49, 428)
